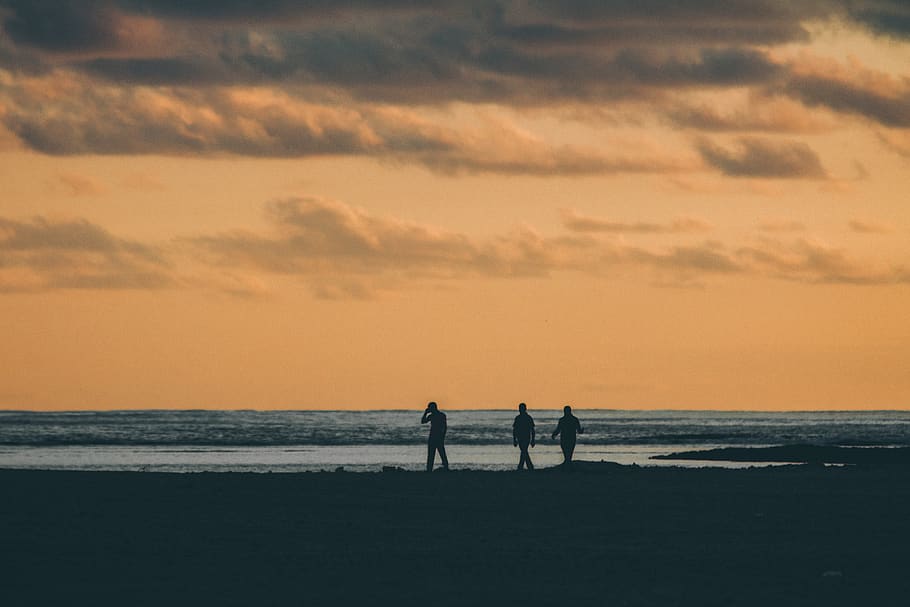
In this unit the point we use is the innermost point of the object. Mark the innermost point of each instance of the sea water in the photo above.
(294, 441)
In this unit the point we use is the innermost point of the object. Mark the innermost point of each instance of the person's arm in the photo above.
(515, 433)
(580, 429)
(426, 416)
(557, 430)
(533, 433)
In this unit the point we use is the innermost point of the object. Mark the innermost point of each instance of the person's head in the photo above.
(567, 410)
(431, 406)
(522, 407)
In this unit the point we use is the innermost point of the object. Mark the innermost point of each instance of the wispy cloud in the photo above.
(850, 88)
(576, 222)
(81, 185)
(754, 157)
(43, 254)
(340, 251)
(811, 261)
(869, 227)
(336, 249)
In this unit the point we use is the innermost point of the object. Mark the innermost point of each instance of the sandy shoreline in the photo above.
(793, 535)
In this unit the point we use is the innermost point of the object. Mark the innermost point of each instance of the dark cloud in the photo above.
(554, 36)
(888, 105)
(887, 17)
(244, 10)
(78, 27)
(266, 123)
(160, 71)
(63, 25)
(42, 254)
(752, 157)
(157, 76)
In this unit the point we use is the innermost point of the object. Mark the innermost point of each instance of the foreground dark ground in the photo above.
(604, 535)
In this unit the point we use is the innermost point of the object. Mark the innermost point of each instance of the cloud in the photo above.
(405, 52)
(292, 79)
(337, 249)
(897, 141)
(278, 10)
(886, 17)
(44, 254)
(340, 251)
(77, 26)
(577, 222)
(759, 113)
(81, 185)
(810, 261)
(851, 89)
(63, 115)
(753, 157)
(869, 227)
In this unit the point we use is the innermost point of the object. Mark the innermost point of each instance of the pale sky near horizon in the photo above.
(364, 204)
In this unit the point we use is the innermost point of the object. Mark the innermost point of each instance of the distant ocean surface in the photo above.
(294, 441)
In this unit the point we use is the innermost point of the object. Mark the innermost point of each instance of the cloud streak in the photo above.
(576, 222)
(43, 254)
(755, 157)
(339, 251)
(74, 117)
(336, 249)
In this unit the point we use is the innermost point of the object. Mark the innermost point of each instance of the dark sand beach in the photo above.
(602, 535)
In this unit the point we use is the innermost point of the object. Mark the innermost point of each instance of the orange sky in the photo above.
(374, 204)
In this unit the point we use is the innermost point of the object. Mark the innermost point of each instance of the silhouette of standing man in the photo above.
(567, 429)
(436, 440)
(523, 435)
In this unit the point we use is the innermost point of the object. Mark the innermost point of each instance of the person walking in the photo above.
(437, 438)
(567, 429)
(523, 435)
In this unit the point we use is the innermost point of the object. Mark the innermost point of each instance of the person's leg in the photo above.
(431, 456)
(570, 450)
(525, 459)
(442, 455)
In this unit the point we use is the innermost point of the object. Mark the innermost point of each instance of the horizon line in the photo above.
(415, 409)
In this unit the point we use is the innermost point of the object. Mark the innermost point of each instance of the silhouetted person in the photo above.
(567, 429)
(523, 435)
(436, 440)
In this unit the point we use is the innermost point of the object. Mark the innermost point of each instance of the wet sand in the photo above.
(602, 535)
(814, 454)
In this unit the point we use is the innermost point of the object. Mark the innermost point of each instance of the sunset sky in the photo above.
(372, 204)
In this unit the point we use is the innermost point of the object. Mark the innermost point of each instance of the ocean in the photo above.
(361, 441)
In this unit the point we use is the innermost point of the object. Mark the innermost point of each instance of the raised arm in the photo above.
(426, 416)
